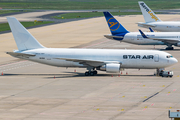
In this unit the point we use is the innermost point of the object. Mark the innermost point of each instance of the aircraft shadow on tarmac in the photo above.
(73, 74)
(168, 50)
(164, 49)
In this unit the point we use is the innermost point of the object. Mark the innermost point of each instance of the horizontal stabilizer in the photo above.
(20, 54)
(146, 25)
(112, 37)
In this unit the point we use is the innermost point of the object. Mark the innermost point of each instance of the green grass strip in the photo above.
(8, 11)
(88, 4)
(91, 14)
(5, 26)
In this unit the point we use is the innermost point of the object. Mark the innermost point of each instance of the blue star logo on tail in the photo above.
(113, 24)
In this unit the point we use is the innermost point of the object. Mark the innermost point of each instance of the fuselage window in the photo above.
(41, 58)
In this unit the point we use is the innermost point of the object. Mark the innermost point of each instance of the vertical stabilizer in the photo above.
(149, 15)
(114, 26)
(24, 40)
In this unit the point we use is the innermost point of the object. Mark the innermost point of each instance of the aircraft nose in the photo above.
(174, 60)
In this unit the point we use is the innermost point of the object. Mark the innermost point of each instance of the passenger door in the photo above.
(156, 58)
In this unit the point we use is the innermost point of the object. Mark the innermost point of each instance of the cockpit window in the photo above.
(169, 56)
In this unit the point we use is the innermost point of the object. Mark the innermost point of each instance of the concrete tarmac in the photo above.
(33, 91)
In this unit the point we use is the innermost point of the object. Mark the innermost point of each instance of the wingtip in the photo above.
(142, 34)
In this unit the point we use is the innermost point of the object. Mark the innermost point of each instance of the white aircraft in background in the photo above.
(151, 20)
(118, 32)
(109, 60)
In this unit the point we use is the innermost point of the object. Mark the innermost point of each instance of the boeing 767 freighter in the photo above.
(109, 60)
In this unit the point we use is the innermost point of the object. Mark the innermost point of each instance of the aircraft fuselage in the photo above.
(138, 59)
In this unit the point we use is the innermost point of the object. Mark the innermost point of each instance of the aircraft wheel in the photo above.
(170, 48)
(95, 72)
(86, 73)
(91, 73)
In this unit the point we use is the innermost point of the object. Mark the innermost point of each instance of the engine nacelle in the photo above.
(178, 44)
(113, 68)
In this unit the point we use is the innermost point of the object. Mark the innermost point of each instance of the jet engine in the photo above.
(178, 44)
(113, 68)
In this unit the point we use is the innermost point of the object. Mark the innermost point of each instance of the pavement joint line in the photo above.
(137, 104)
(14, 63)
(106, 100)
(95, 44)
(150, 97)
(42, 112)
(16, 67)
(55, 80)
(20, 104)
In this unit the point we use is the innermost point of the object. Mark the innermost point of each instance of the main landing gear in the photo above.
(90, 72)
(170, 47)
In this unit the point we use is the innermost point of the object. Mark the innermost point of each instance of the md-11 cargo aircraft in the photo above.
(118, 32)
(151, 20)
(109, 60)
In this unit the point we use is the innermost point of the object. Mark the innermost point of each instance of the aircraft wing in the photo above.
(93, 63)
(145, 25)
(171, 41)
(166, 40)
(20, 54)
(112, 37)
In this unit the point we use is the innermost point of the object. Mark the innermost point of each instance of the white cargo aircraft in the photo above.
(151, 20)
(109, 60)
(118, 32)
